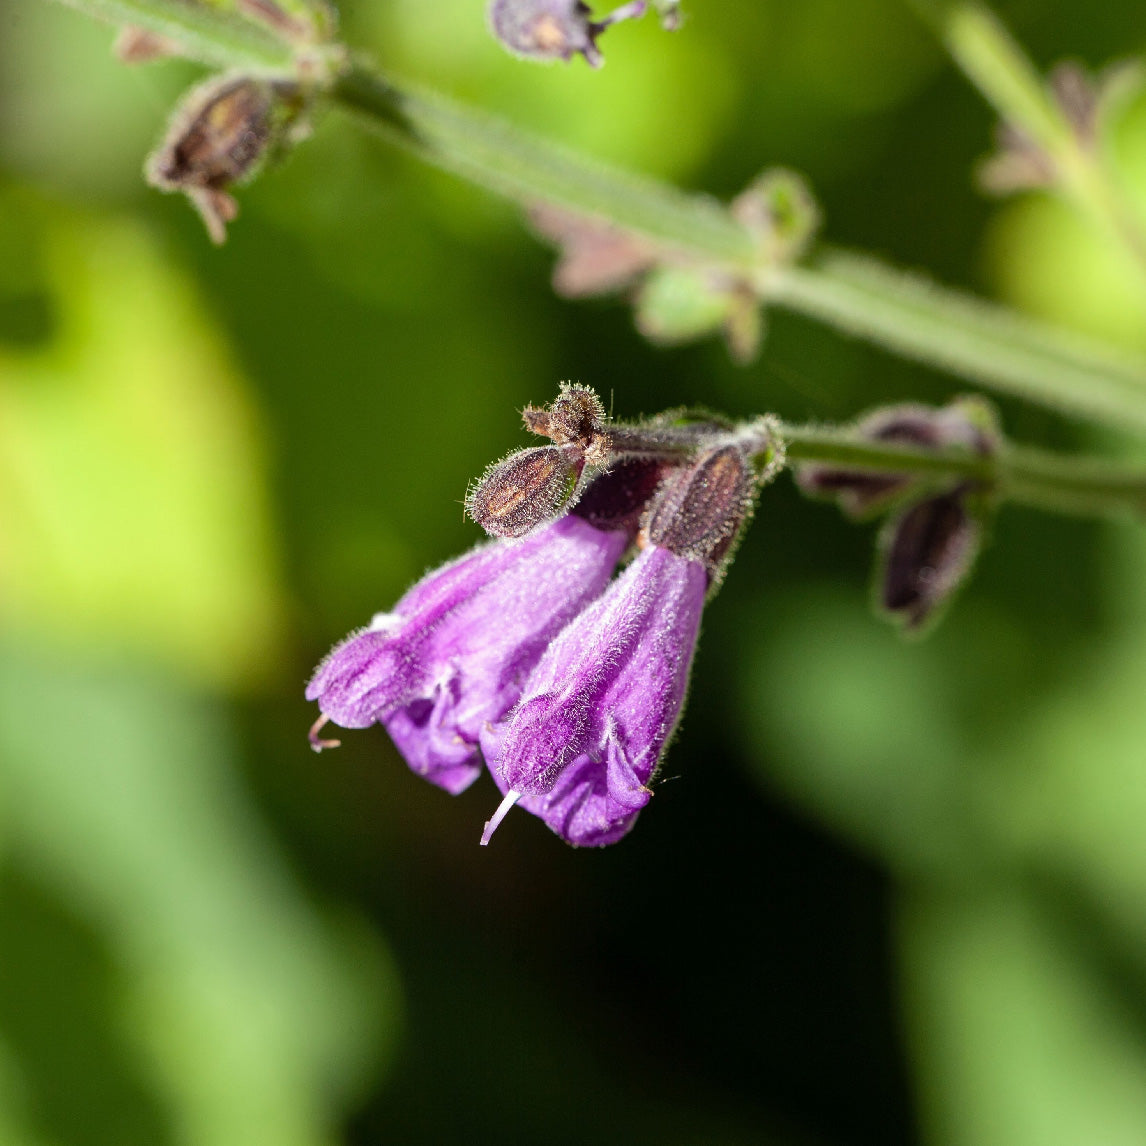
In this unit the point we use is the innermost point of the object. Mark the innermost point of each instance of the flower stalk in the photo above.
(1042, 479)
(983, 343)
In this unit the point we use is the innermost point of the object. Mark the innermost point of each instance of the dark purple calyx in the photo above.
(928, 550)
(700, 509)
(525, 489)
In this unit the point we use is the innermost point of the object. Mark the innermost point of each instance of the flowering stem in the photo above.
(1062, 483)
(980, 342)
(528, 169)
(952, 331)
(992, 60)
(203, 32)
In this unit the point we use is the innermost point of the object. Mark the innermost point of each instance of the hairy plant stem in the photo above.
(1061, 483)
(212, 35)
(980, 342)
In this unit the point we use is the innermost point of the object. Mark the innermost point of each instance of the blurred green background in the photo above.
(887, 893)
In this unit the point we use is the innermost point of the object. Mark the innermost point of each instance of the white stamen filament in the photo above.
(511, 798)
(316, 742)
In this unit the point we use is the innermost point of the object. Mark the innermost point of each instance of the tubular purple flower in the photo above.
(598, 711)
(456, 651)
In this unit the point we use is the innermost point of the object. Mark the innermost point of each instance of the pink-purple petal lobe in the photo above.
(458, 648)
(584, 742)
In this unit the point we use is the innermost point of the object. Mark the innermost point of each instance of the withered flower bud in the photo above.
(778, 208)
(135, 45)
(219, 136)
(927, 553)
(1020, 163)
(596, 257)
(700, 509)
(525, 489)
(549, 30)
(576, 418)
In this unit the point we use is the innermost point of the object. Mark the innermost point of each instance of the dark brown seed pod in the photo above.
(701, 508)
(218, 137)
(525, 489)
(927, 553)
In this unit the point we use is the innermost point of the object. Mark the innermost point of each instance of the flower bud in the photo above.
(967, 424)
(596, 257)
(701, 508)
(927, 553)
(135, 45)
(219, 136)
(525, 489)
(576, 418)
(780, 211)
(549, 30)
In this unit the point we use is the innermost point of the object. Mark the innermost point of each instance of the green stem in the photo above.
(995, 63)
(528, 169)
(983, 343)
(1061, 483)
(915, 318)
(212, 35)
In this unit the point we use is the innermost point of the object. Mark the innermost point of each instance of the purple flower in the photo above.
(584, 741)
(457, 649)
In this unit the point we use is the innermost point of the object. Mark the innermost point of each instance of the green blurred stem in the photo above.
(906, 315)
(528, 169)
(203, 32)
(996, 64)
(985, 344)
(917, 319)
(1061, 483)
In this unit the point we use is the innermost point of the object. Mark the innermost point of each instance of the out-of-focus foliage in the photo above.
(885, 893)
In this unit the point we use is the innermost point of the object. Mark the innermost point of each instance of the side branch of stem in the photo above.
(1061, 483)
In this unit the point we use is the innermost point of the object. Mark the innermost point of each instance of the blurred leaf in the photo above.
(1016, 1041)
(132, 507)
(858, 727)
(70, 115)
(253, 1020)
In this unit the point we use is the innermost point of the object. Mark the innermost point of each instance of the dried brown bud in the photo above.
(276, 18)
(525, 489)
(1085, 101)
(576, 418)
(701, 508)
(596, 257)
(927, 553)
(218, 138)
(135, 45)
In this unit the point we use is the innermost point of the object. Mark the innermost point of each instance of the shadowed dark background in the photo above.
(886, 893)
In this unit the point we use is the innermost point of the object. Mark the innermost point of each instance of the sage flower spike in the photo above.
(455, 653)
(583, 744)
